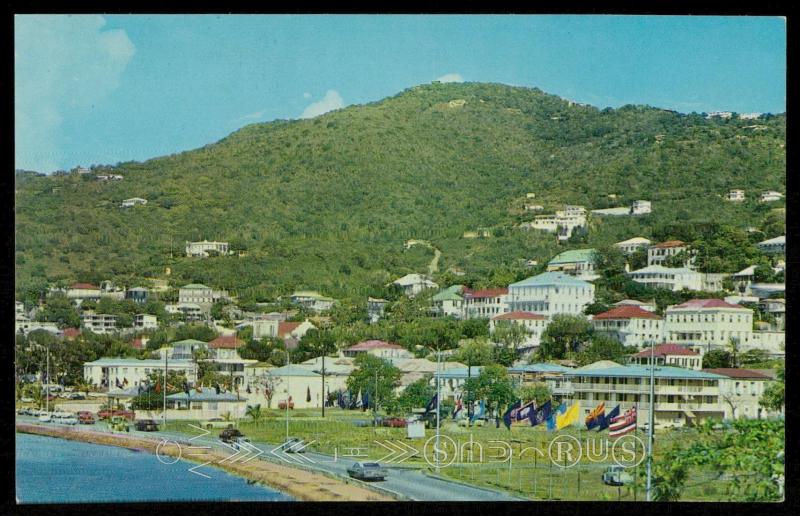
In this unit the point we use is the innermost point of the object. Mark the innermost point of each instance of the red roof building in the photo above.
(519, 316)
(670, 355)
(484, 303)
(378, 348)
(71, 333)
(286, 328)
(695, 304)
(83, 286)
(225, 342)
(670, 244)
(626, 312)
(731, 372)
(708, 324)
(485, 293)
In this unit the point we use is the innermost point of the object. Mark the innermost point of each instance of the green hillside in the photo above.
(328, 203)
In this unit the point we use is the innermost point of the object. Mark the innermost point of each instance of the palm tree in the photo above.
(254, 411)
(733, 347)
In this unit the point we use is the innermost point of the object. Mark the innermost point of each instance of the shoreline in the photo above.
(302, 485)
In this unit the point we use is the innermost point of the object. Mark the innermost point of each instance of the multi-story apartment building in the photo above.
(669, 278)
(707, 324)
(668, 354)
(550, 293)
(575, 262)
(740, 391)
(630, 325)
(631, 245)
(81, 291)
(485, 303)
(145, 322)
(99, 323)
(682, 396)
(113, 372)
(657, 254)
(202, 248)
(534, 325)
(197, 294)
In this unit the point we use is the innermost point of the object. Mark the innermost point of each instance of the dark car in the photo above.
(230, 434)
(367, 471)
(85, 417)
(293, 445)
(146, 425)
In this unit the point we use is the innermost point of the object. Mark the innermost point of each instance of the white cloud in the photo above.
(306, 95)
(451, 77)
(331, 101)
(62, 64)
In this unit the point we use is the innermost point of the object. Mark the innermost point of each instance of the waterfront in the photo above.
(51, 470)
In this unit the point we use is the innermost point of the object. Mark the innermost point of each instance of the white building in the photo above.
(719, 114)
(197, 294)
(133, 201)
(562, 223)
(771, 196)
(378, 348)
(99, 323)
(534, 325)
(191, 311)
(640, 207)
(775, 245)
(202, 403)
(708, 324)
(145, 322)
(575, 262)
(668, 355)
(262, 327)
(657, 254)
(675, 279)
(735, 195)
(630, 325)
(81, 291)
(449, 302)
(375, 308)
(202, 248)
(650, 306)
(550, 293)
(773, 342)
(24, 325)
(413, 284)
(485, 303)
(740, 392)
(120, 370)
(631, 245)
(312, 300)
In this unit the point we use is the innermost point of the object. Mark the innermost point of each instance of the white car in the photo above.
(45, 418)
(69, 420)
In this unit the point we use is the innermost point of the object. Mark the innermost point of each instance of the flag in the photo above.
(340, 399)
(308, 394)
(541, 414)
(431, 406)
(525, 411)
(458, 408)
(605, 419)
(593, 419)
(551, 421)
(117, 383)
(358, 399)
(511, 413)
(124, 382)
(478, 413)
(569, 417)
(158, 388)
(365, 405)
(624, 424)
(186, 388)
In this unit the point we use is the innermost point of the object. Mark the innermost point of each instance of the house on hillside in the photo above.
(669, 278)
(448, 302)
(631, 245)
(145, 322)
(771, 196)
(413, 284)
(741, 391)
(133, 201)
(292, 332)
(137, 295)
(312, 300)
(650, 306)
(576, 262)
(658, 254)
(378, 348)
(484, 303)
(708, 324)
(775, 245)
(668, 355)
(641, 207)
(80, 291)
(630, 325)
(735, 195)
(99, 323)
(375, 309)
(550, 293)
(534, 325)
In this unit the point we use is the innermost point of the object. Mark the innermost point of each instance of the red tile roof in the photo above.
(490, 292)
(708, 303)
(373, 344)
(669, 243)
(627, 312)
(225, 342)
(137, 343)
(285, 328)
(83, 286)
(666, 349)
(738, 373)
(71, 333)
(516, 316)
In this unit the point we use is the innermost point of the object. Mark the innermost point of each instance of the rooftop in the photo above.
(777, 240)
(539, 368)
(738, 373)
(225, 342)
(573, 255)
(205, 394)
(669, 244)
(660, 269)
(189, 342)
(636, 371)
(627, 312)
(141, 363)
(373, 344)
(485, 293)
(191, 286)
(662, 350)
(518, 316)
(83, 286)
(547, 279)
(707, 303)
(291, 370)
(451, 293)
(634, 240)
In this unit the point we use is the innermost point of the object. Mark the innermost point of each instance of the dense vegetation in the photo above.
(328, 203)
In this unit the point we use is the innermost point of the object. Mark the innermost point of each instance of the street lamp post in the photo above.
(287, 395)
(650, 424)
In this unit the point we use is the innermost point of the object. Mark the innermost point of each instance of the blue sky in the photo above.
(104, 89)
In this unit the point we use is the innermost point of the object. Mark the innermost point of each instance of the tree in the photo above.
(475, 352)
(733, 348)
(774, 396)
(609, 261)
(538, 392)
(565, 333)
(416, 395)
(369, 370)
(59, 310)
(716, 358)
(254, 412)
(493, 385)
(603, 347)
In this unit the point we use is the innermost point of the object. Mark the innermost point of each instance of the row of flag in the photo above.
(346, 400)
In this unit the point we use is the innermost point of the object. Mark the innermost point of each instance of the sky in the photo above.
(95, 89)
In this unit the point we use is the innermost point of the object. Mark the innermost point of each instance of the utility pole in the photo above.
(166, 366)
(47, 385)
(287, 396)
(650, 425)
(324, 398)
(438, 400)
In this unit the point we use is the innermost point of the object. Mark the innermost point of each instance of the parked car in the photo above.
(26, 400)
(130, 415)
(282, 405)
(230, 434)
(216, 422)
(45, 417)
(119, 424)
(146, 425)
(394, 422)
(236, 442)
(75, 396)
(69, 420)
(616, 476)
(85, 417)
(367, 471)
(293, 445)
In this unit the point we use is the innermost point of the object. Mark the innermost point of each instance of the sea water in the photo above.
(52, 470)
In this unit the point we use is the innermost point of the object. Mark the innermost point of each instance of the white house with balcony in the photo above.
(658, 254)
(99, 323)
(735, 195)
(630, 325)
(485, 303)
(563, 223)
(145, 322)
(668, 354)
(133, 201)
(775, 245)
(550, 293)
(771, 196)
(312, 300)
(632, 245)
(575, 262)
(378, 348)
(708, 324)
(669, 278)
(449, 302)
(132, 372)
(202, 249)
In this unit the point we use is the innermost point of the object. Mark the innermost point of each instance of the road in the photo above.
(433, 267)
(409, 483)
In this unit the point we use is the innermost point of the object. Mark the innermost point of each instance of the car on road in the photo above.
(44, 417)
(394, 422)
(146, 425)
(216, 422)
(127, 414)
(367, 471)
(119, 424)
(230, 434)
(68, 420)
(236, 442)
(85, 417)
(616, 476)
(75, 396)
(293, 445)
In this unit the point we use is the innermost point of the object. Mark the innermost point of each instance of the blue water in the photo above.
(51, 470)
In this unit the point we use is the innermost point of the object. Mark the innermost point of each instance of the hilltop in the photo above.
(328, 203)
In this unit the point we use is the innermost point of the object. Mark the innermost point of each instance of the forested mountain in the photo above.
(328, 203)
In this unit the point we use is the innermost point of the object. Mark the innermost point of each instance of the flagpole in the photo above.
(287, 395)
(650, 425)
(438, 373)
(166, 362)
